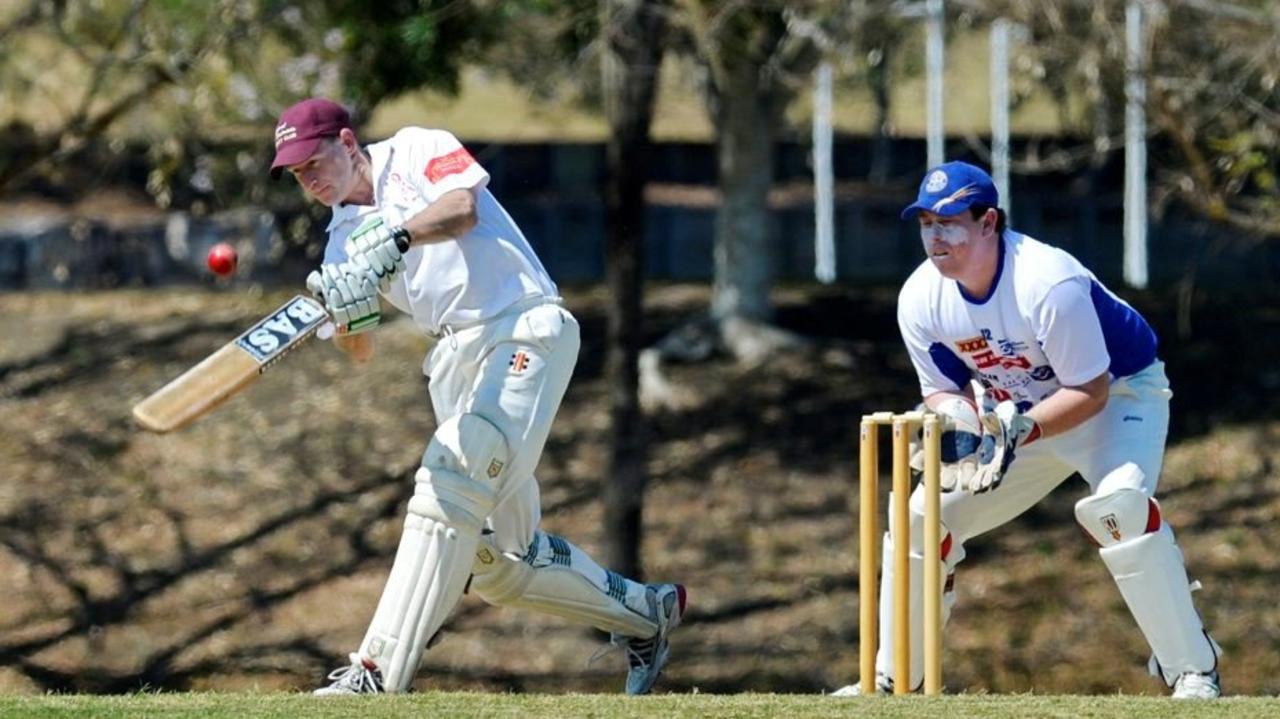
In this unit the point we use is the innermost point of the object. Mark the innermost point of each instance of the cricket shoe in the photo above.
(884, 685)
(361, 677)
(646, 657)
(1194, 685)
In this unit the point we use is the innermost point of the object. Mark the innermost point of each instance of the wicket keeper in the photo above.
(1039, 371)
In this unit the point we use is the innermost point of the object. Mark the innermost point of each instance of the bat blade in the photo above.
(224, 373)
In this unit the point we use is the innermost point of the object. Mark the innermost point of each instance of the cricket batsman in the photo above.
(414, 225)
(1038, 372)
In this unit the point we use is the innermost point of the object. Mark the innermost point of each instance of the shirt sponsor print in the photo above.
(402, 191)
(1043, 373)
(984, 357)
(451, 164)
(971, 345)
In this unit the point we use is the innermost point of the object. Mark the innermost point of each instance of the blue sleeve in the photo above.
(949, 364)
(1130, 341)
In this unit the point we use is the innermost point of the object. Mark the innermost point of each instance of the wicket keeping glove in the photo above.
(1004, 429)
(348, 294)
(961, 437)
(378, 251)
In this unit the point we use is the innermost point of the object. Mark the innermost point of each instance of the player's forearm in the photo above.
(450, 217)
(358, 347)
(1070, 407)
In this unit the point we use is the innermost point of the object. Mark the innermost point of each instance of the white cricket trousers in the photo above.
(1132, 428)
(513, 370)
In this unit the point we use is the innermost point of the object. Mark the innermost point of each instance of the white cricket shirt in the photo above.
(455, 282)
(1046, 322)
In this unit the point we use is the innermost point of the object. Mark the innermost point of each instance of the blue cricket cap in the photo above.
(951, 188)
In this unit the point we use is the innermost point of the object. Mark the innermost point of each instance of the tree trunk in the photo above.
(633, 53)
(746, 120)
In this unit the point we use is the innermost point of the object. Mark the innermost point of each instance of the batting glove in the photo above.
(348, 294)
(377, 251)
(1004, 429)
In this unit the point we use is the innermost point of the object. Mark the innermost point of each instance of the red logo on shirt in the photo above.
(999, 395)
(989, 359)
(986, 360)
(451, 164)
(519, 362)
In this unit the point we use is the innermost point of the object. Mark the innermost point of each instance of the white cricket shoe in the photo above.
(849, 690)
(1194, 685)
(647, 657)
(884, 685)
(361, 677)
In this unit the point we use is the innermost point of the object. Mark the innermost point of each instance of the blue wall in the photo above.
(553, 192)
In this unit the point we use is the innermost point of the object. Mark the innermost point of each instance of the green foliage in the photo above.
(1212, 94)
(390, 47)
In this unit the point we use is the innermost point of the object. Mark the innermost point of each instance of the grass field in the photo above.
(450, 704)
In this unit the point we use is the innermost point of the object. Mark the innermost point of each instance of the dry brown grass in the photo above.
(249, 550)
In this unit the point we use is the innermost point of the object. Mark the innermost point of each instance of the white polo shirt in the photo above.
(456, 282)
(1046, 322)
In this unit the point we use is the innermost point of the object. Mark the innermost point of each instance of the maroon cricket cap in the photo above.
(302, 127)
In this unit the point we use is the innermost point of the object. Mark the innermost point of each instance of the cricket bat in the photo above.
(224, 373)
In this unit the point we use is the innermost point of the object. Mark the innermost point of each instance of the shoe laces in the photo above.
(357, 678)
(639, 652)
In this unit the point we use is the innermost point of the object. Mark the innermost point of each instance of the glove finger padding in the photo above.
(315, 285)
(958, 443)
(958, 475)
(378, 250)
(1004, 428)
(349, 294)
(336, 286)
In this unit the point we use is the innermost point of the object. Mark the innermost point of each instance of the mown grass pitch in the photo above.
(462, 704)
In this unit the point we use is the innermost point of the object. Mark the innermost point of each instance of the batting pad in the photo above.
(561, 589)
(1153, 581)
(915, 602)
(437, 548)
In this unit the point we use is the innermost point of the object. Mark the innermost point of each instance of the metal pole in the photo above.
(935, 51)
(1000, 111)
(824, 242)
(1135, 150)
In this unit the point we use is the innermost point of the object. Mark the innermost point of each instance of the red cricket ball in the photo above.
(222, 259)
